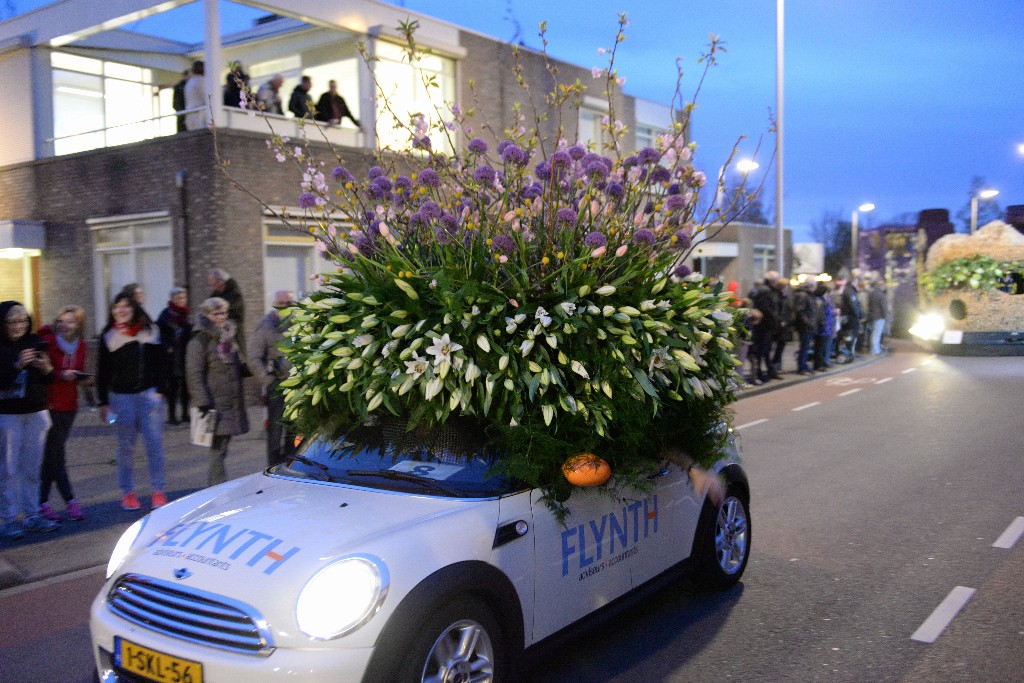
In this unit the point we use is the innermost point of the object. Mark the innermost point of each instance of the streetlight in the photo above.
(983, 194)
(780, 31)
(744, 166)
(854, 251)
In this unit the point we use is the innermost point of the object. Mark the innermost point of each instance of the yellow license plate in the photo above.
(156, 666)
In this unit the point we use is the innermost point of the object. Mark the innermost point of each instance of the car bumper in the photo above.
(283, 664)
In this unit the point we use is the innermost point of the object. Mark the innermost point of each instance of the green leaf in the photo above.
(407, 288)
(645, 383)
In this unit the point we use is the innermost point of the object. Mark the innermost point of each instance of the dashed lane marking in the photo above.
(909, 370)
(751, 424)
(1009, 538)
(943, 615)
(850, 391)
(883, 380)
(806, 406)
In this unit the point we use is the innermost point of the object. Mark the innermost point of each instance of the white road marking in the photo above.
(943, 615)
(806, 406)
(851, 391)
(883, 380)
(751, 424)
(909, 370)
(1009, 538)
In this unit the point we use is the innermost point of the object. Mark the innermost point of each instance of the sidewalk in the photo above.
(87, 544)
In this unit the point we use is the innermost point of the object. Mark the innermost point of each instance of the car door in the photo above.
(583, 562)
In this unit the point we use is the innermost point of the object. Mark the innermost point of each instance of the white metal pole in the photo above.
(780, 242)
(974, 213)
(214, 63)
(854, 260)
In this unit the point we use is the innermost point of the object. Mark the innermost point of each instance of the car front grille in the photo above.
(190, 614)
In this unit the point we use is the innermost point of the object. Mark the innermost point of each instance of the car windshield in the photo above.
(451, 461)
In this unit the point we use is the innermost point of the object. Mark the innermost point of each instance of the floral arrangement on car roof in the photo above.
(539, 291)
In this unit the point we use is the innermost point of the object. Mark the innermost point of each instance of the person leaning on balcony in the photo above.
(300, 102)
(195, 97)
(235, 85)
(331, 107)
(269, 95)
(178, 99)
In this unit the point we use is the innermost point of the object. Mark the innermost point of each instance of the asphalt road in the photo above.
(878, 496)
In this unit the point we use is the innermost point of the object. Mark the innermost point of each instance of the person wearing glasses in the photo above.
(215, 369)
(129, 381)
(25, 371)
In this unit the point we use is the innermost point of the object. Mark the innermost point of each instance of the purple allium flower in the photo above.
(594, 240)
(588, 158)
(421, 142)
(615, 190)
(403, 183)
(375, 172)
(566, 216)
(577, 151)
(376, 191)
(596, 170)
(660, 175)
(560, 159)
(366, 245)
(649, 207)
(647, 155)
(532, 191)
(382, 182)
(644, 236)
(682, 270)
(429, 177)
(430, 209)
(418, 219)
(503, 243)
(450, 222)
(673, 188)
(514, 154)
(682, 240)
(477, 146)
(342, 174)
(674, 202)
(543, 171)
(307, 200)
(503, 145)
(484, 174)
(629, 162)
(608, 163)
(442, 235)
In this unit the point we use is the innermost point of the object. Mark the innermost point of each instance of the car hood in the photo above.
(263, 532)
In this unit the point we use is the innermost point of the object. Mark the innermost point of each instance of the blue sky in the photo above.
(895, 103)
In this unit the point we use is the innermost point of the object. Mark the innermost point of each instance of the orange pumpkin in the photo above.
(586, 469)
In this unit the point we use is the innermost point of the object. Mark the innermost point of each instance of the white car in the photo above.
(355, 563)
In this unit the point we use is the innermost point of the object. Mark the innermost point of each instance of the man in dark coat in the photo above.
(178, 99)
(850, 310)
(768, 300)
(331, 107)
(300, 102)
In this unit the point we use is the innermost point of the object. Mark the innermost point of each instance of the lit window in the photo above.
(130, 249)
(410, 89)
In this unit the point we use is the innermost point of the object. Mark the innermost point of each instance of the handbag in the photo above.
(202, 426)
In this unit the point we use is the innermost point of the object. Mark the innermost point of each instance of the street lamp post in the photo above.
(744, 166)
(854, 250)
(983, 194)
(780, 31)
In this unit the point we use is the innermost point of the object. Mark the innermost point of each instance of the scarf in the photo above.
(68, 348)
(128, 329)
(178, 314)
(226, 345)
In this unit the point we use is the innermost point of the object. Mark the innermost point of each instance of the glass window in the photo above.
(764, 259)
(590, 133)
(132, 250)
(425, 87)
(291, 261)
(62, 60)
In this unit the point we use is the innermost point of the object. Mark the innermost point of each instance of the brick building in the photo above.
(97, 189)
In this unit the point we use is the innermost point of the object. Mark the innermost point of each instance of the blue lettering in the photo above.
(277, 558)
(635, 509)
(224, 542)
(585, 561)
(599, 534)
(203, 526)
(567, 549)
(256, 536)
(617, 530)
(165, 537)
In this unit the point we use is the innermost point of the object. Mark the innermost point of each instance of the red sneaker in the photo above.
(158, 500)
(130, 502)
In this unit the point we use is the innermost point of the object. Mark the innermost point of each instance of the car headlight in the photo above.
(124, 545)
(928, 326)
(341, 597)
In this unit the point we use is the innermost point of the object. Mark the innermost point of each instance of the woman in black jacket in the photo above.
(129, 381)
(25, 370)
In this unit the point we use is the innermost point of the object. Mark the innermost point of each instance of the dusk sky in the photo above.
(895, 103)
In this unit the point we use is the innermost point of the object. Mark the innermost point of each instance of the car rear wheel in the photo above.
(459, 643)
(722, 543)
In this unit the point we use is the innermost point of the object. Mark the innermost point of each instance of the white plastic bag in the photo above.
(203, 426)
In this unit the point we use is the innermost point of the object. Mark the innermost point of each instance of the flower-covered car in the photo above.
(379, 555)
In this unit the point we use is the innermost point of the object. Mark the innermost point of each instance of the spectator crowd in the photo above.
(148, 375)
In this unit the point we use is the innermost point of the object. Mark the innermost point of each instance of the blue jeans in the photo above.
(804, 354)
(141, 413)
(21, 453)
(877, 327)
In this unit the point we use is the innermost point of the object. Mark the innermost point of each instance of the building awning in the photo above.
(21, 238)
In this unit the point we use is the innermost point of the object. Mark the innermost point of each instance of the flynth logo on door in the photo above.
(614, 536)
(220, 540)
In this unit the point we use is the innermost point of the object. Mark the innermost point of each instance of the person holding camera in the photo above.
(25, 371)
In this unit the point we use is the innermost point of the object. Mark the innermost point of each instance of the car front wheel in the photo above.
(460, 643)
(722, 544)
